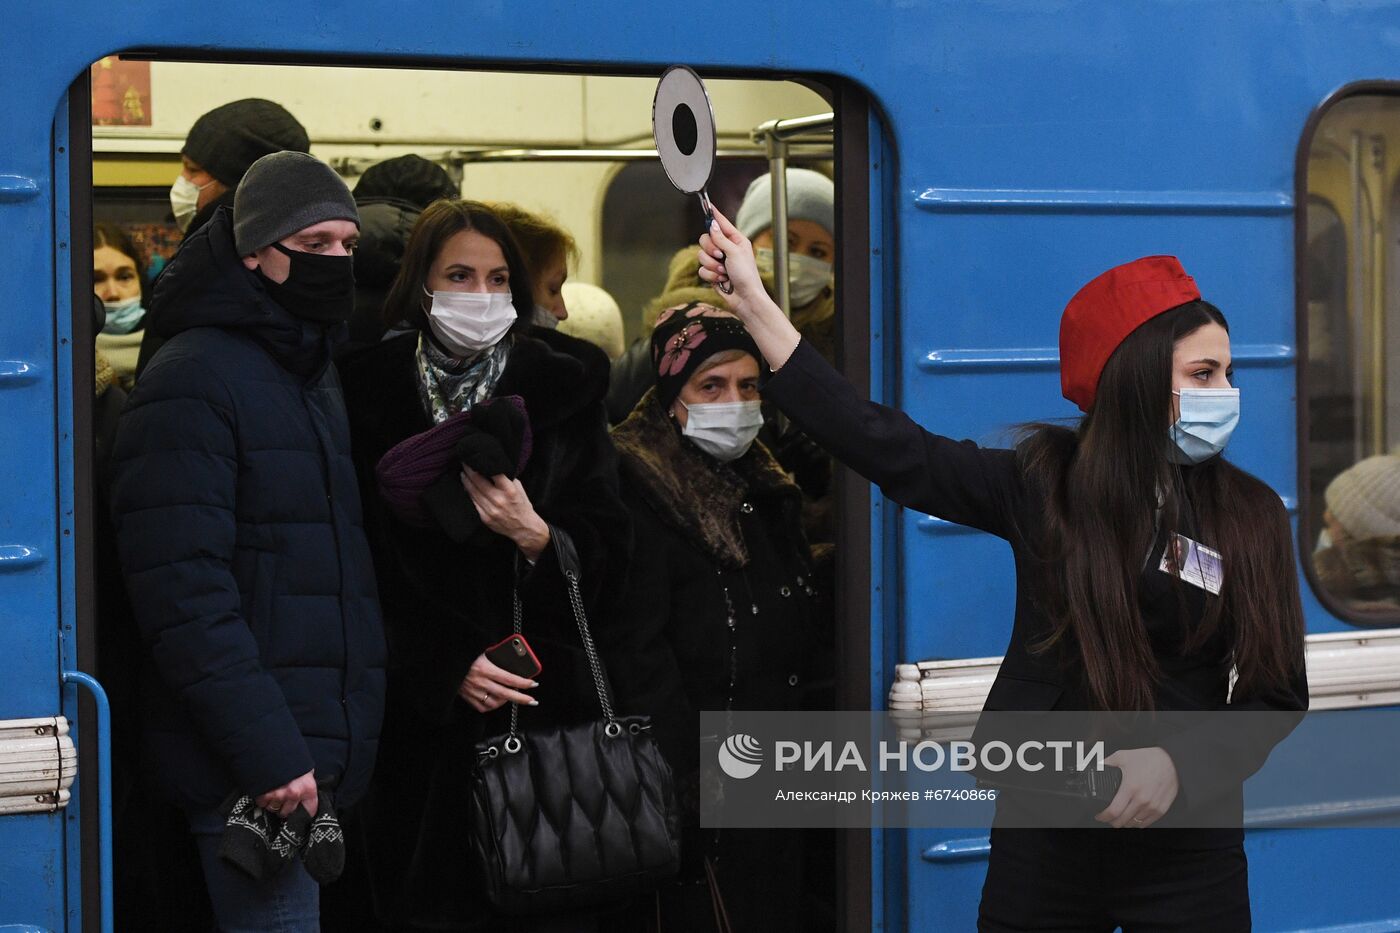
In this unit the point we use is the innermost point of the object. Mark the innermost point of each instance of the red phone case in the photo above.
(513, 653)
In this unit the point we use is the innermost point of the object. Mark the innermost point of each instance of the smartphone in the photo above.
(513, 654)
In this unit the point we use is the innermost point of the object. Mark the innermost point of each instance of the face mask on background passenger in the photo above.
(1208, 418)
(541, 316)
(124, 316)
(318, 288)
(806, 276)
(184, 201)
(469, 322)
(724, 430)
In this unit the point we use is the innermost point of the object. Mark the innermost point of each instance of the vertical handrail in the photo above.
(777, 172)
(104, 787)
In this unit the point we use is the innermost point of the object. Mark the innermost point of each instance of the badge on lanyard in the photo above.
(1193, 562)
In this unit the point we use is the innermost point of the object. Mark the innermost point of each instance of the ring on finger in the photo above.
(486, 696)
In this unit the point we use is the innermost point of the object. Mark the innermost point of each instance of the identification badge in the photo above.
(1195, 563)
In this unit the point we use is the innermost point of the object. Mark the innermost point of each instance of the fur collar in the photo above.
(1360, 568)
(691, 491)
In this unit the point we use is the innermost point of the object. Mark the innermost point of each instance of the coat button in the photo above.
(785, 591)
(755, 608)
(746, 508)
(792, 680)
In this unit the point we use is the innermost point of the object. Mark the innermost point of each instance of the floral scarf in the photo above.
(447, 386)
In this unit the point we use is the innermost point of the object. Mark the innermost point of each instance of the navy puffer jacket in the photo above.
(238, 520)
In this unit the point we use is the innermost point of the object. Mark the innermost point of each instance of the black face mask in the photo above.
(318, 288)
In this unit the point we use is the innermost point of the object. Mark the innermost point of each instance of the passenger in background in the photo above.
(1358, 556)
(218, 151)
(390, 195)
(119, 280)
(812, 291)
(722, 612)
(238, 520)
(811, 203)
(451, 542)
(593, 316)
(549, 250)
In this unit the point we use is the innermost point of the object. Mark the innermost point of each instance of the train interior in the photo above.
(1348, 266)
(574, 148)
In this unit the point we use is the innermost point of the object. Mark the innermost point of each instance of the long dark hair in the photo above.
(439, 222)
(1101, 483)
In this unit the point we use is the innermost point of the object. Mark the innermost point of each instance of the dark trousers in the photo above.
(1089, 880)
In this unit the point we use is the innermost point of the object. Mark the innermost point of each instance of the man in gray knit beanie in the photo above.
(236, 507)
(295, 224)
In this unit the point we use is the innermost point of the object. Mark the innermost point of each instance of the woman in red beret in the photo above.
(1105, 618)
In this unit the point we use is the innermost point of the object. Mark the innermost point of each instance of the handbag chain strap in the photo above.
(568, 566)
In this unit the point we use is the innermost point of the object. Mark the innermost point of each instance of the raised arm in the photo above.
(955, 480)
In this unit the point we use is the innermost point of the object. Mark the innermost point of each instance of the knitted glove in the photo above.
(323, 853)
(247, 836)
(256, 841)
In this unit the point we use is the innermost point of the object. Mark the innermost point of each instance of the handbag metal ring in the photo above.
(612, 730)
(492, 752)
(513, 745)
(634, 729)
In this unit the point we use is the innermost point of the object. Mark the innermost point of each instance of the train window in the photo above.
(1349, 298)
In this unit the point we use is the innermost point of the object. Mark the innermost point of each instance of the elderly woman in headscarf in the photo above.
(722, 613)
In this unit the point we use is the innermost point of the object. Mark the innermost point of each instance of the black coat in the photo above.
(446, 602)
(238, 520)
(155, 334)
(985, 489)
(385, 224)
(715, 544)
(722, 613)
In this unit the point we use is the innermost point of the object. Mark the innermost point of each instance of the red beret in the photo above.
(1107, 310)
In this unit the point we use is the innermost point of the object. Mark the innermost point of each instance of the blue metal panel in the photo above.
(1039, 143)
(63, 412)
(888, 889)
(32, 858)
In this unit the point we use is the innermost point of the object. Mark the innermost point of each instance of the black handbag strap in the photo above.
(570, 569)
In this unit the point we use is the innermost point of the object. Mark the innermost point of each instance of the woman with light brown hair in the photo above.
(548, 250)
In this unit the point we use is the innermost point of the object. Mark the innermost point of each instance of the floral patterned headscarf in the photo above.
(686, 336)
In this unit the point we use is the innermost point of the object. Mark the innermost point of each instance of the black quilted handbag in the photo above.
(573, 816)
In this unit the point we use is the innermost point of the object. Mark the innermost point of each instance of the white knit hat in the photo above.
(1365, 498)
(810, 196)
(593, 316)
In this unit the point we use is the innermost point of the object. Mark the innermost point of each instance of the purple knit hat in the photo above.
(416, 462)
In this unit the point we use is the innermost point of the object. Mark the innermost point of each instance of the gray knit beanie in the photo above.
(1365, 498)
(285, 192)
(810, 196)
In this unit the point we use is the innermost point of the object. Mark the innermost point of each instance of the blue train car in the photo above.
(989, 159)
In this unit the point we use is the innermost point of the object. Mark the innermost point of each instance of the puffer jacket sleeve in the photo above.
(175, 475)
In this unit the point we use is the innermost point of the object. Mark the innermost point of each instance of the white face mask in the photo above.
(806, 276)
(469, 322)
(184, 201)
(543, 317)
(724, 430)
